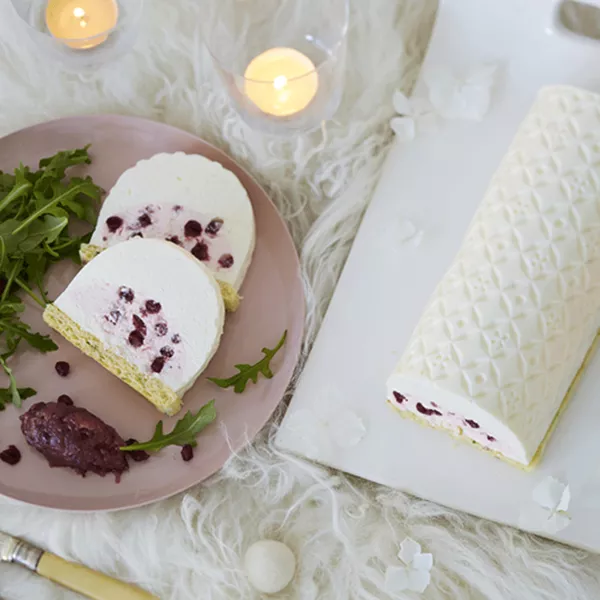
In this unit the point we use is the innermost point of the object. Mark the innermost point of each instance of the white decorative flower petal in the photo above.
(474, 102)
(537, 518)
(418, 581)
(534, 517)
(302, 424)
(422, 562)
(550, 492)
(565, 500)
(408, 550)
(347, 429)
(404, 128)
(396, 579)
(483, 75)
(455, 98)
(557, 522)
(404, 230)
(418, 238)
(401, 103)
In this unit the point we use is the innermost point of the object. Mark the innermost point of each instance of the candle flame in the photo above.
(280, 82)
(78, 12)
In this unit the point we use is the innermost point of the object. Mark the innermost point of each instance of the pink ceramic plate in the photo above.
(273, 301)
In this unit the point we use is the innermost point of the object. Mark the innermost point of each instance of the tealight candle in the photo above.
(281, 81)
(81, 24)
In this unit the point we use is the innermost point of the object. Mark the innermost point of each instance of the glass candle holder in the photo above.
(80, 33)
(282, 61)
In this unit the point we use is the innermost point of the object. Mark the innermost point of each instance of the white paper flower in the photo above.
(397, 232)
(326, 427)
(414, 575)
(454, 97)
(449, 96)
(548, 512)
(414, 113)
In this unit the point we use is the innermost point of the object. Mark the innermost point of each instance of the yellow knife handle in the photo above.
(87, 582)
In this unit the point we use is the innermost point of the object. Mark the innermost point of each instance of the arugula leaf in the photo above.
(13, 390)
(6, 395)
(250, 372)
(75, 187)
(43, 343)
(184, 433)
(20, 188)
(36, 207)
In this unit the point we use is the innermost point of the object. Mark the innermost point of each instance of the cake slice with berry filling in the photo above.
(147, 311)
(190, 201)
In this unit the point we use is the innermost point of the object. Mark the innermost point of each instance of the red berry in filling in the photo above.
(161, 329)
(11, 456)
(428, 411)
(62, 368)
(136, 338)
(136, 455)
(187, 453)
(177, 207)
(200, 251)
(113, 317)
(176, 338)
(473, 424)
(126, 294)
(157, 364)
(113, 223)
(153, 307)
(192, 228)
(226, 261)
(491, 439)
(144, 220)
(136, 234)
(167, 351)
(399, 398)
(139, 324)
(64, 399)
(174, 240)
(214, 226)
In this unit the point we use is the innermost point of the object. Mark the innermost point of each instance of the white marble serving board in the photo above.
(436, 182)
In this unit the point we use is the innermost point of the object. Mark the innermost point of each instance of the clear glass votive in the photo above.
(80, 33)
(282, 61)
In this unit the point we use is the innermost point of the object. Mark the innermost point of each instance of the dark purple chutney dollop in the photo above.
(73, 437)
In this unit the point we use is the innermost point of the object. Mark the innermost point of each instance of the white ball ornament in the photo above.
(270, 566)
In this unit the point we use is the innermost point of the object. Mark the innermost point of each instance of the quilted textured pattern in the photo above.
(513, 318)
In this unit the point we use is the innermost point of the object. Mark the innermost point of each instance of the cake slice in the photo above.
(189, 200)
(147, 311)
(513, 321)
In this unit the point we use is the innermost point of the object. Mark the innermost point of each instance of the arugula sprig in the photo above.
(251, 372)
(184, 433)
(36, 209)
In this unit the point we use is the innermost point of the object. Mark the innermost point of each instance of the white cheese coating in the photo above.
(203, 189)
(511, 322)
(190, 301)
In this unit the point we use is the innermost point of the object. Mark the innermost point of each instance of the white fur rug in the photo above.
(344, 531)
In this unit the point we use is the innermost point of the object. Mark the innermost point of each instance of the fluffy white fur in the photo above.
(344, 531)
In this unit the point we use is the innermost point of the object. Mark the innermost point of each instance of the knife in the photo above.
(80, 579)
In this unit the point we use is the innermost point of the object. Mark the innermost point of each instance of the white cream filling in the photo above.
(190, 299)
(204, 190)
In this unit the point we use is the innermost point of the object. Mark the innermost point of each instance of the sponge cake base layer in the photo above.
(155, 391)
